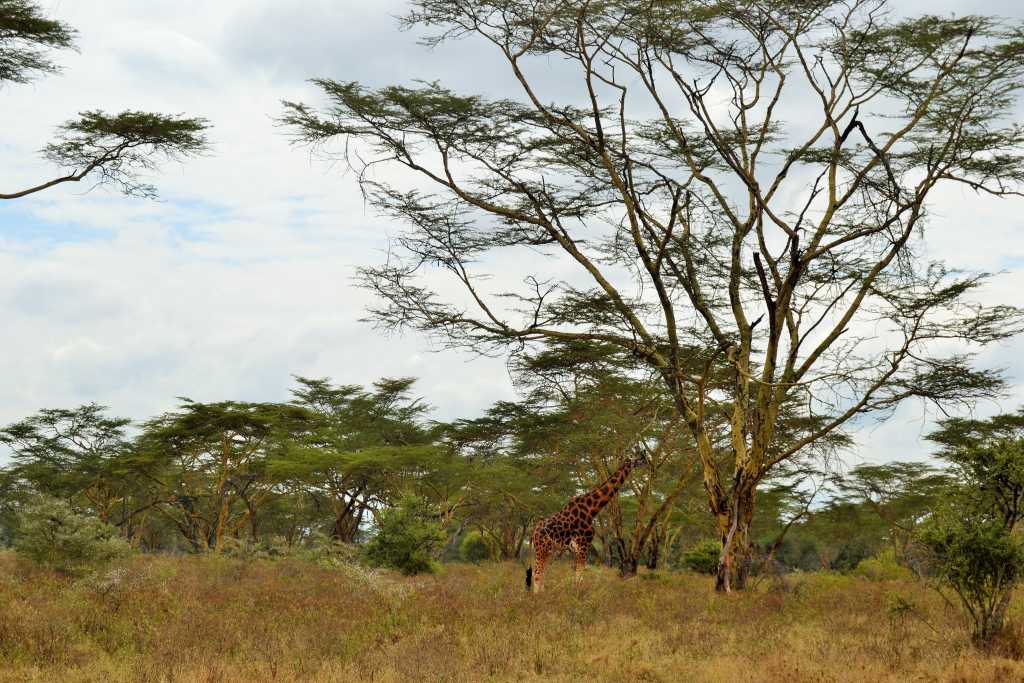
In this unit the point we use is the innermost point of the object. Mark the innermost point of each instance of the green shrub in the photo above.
(318, 548)
(328, 552)
(474, 548)
(703, 557)
(53, 535)
(882, 567)
(408, 538)
(799, 552)
(850, 555)
(979, 560)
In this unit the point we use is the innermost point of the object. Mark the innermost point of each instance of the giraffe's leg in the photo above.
(579, 552)
(540, 561)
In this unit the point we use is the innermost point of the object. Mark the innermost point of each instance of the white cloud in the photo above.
(243, 275)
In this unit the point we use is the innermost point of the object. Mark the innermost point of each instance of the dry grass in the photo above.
(215, 619)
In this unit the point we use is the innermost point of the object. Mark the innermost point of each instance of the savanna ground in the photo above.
(190, 618)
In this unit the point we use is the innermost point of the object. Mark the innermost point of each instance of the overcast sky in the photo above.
(242, 275)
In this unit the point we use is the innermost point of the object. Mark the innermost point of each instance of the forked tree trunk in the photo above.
(988, 624)
(735, 560)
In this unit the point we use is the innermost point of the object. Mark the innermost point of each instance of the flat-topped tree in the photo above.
(751, 177)
(105, 149)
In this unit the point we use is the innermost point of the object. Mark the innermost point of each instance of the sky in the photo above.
(242, 274)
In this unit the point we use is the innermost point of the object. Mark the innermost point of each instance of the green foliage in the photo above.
(882, 567)
(800, 551)
(703, 557)
(473, 548)
(318, 548)
(988, 456)
(53, 535)
(116, 148)
(206, 464)
(408, 538)
(851, 554)
(64, 452)
(25, 38)
(367, 445)
(900, 493)
(979, 560)
(844, 533)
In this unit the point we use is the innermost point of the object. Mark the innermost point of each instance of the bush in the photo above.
(53, 535)
(883, 567)
(474, 548)
(850, 555)
(703, 557)
(799, 552)
(318, 548)
(980, 561)
(408, 537)
(328, 552)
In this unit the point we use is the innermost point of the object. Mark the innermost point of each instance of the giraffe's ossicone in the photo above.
(572, 527)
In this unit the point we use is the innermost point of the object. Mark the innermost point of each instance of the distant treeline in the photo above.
(331, 460)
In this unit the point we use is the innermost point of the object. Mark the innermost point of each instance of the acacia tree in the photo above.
(107, 149)
(69, 453)
(988, 457)
(206, 465)
(901, 493)
(369, 447)
(509, 478)
(749, 177)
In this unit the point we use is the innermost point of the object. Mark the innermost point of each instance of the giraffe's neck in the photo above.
(595, 499)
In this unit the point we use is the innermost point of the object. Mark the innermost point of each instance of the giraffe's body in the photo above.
(572, 527)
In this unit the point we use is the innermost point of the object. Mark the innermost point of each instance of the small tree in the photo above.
(974, 542)
(988, 457)
(979, 560)
(53, 535)
(408, 538)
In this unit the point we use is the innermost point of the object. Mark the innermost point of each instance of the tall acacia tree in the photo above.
(106, 149)
(749, 177)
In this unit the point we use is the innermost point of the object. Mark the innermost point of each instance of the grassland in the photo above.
(163, 618)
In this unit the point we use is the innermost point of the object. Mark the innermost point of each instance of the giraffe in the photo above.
(572, 526)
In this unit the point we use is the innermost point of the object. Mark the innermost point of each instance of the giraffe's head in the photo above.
(640, 457)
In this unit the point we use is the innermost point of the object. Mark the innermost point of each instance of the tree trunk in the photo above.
(524, 531)
(991, 624)
(734, 562)
(654, 555)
